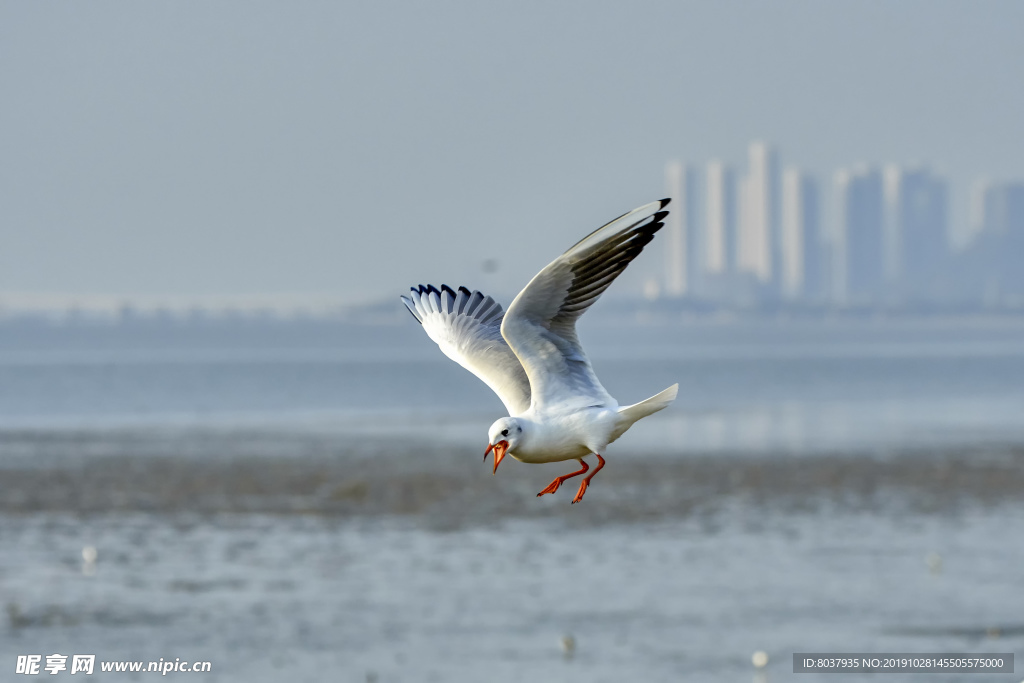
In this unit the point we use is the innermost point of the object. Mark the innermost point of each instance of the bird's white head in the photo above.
(502, 437)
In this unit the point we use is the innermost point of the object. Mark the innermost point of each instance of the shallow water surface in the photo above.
(751, 386)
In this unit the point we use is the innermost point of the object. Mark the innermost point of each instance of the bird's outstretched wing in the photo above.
(540, 324)
(467, 327)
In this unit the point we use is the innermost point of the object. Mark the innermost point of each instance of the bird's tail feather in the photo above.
(630, 414)
(651, 405)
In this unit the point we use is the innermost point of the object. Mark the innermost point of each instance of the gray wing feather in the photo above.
(467, 327)
(540, 325)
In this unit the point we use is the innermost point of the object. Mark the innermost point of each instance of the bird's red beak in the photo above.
(499, 449)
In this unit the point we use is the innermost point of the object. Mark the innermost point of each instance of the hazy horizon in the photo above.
(199, 150)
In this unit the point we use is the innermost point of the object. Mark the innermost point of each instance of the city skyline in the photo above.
(759, 235)
(888, 238)
(221, 150)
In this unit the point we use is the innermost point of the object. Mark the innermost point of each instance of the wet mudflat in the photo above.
(323, 560)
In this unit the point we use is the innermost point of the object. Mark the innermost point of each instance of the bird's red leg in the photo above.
(553, 486)
(586, 482)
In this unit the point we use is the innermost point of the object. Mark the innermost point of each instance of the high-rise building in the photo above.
(992, 258)
(680, 275)
(758, 245)
(981, 194)
(998, 209)
(720, 220)
(800, 236)
(859, 239)
(1009, 211)
(917, 240)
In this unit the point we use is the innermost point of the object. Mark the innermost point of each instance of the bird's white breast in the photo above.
(552, 438)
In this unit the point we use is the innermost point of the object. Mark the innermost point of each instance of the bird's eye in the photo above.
(504, 432)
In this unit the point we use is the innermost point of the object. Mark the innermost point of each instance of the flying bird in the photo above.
(531, 357)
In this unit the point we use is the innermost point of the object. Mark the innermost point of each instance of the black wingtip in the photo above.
(665, 202)
(464, 290)
(446, 288)
(660, 216)
(409, 307)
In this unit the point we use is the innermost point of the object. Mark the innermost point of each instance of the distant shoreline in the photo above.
(389, 313)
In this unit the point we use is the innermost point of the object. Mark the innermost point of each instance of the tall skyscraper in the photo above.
(1009, 212)
(675, 244)
(981, 194)
(800, 236)
(680, 275)
(998, 208)
(992, 259)
(917, 240)
(859, 240)
(720, 224)
(758, 250)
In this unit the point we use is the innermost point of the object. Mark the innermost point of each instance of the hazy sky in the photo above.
(351, 149)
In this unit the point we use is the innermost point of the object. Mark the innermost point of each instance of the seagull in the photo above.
(531, 357)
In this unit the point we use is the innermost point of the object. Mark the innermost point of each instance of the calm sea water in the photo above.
(383, 599)
(765, 386)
